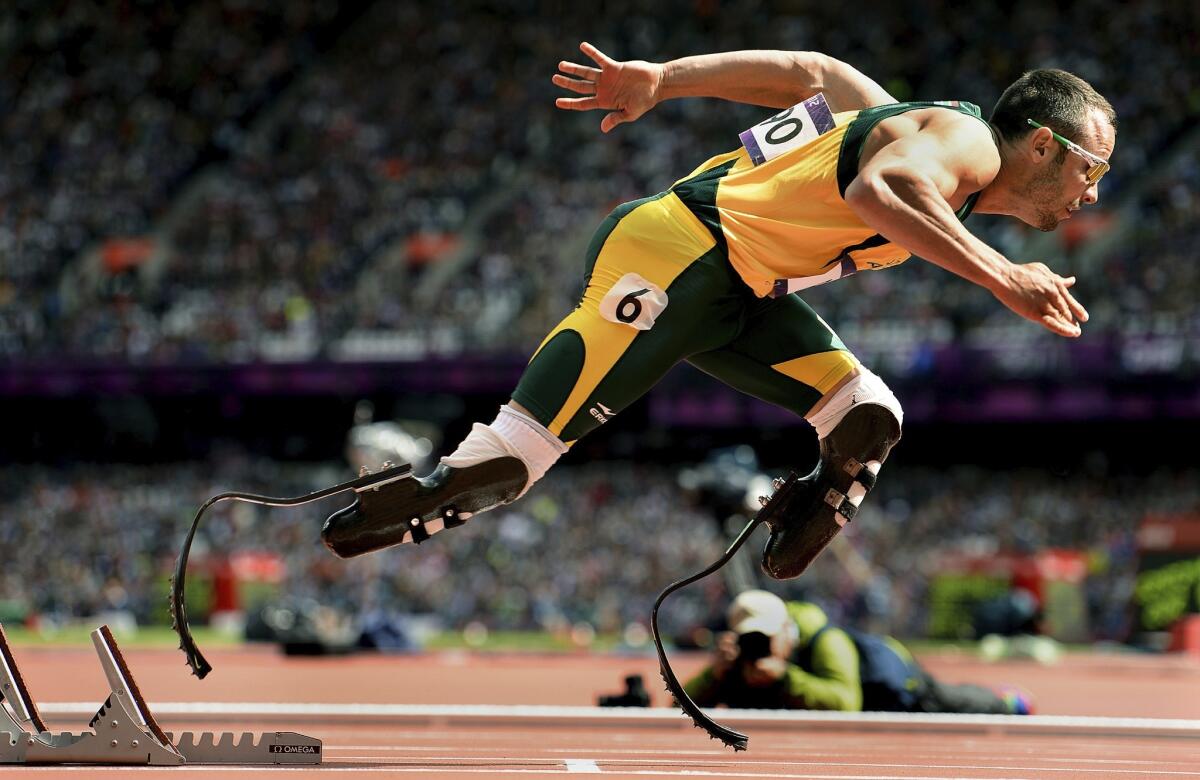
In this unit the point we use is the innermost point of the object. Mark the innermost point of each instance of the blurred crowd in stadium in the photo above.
(234, 179)
(590, 544)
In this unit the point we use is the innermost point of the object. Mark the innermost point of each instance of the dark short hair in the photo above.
(1059, 100)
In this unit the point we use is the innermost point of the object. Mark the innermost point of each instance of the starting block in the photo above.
(124, 731)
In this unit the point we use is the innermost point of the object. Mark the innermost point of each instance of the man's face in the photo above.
(770, 668)
(1056, 184)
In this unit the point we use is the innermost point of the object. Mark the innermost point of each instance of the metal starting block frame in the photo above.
(123, 730)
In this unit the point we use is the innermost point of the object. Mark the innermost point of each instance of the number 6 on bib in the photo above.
(633, 301)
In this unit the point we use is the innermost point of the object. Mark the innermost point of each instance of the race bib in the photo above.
(843, 268)
(788, 130)
(633, 301)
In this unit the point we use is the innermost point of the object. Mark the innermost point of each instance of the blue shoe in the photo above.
(1017, 701)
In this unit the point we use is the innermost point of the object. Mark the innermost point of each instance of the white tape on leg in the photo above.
(865, 388)
(511, 434)
(482, 444)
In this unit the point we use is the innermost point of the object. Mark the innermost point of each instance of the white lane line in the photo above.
(643, 766)
(565, 715)
(492, 771)
(615, 751)
(662, 755)
(586, 765)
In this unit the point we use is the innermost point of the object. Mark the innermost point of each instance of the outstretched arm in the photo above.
(903, 191)
(777, 79)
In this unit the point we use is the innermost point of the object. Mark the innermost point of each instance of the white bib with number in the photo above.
(788, 129)
(633, 301)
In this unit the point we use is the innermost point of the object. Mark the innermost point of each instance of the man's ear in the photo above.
(1043, 139)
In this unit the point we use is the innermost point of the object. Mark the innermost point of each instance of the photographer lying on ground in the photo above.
(779, 655)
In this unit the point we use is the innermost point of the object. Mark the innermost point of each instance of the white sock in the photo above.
(866, 388)
(511, 434)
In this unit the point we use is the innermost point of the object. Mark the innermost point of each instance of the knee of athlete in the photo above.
(862, 389)
(512, 434)
(860, 420)
(860, 423)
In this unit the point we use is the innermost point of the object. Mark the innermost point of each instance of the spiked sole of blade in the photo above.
(731, 738)
(734, 739)
(195, 659)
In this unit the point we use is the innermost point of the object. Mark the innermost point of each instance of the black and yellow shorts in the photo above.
(660, 289)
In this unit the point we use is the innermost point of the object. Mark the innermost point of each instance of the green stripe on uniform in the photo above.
(552, 372)
(699, 194)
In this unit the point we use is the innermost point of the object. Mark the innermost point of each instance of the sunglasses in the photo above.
(1097, 166)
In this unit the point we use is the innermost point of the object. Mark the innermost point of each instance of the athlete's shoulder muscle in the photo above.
(969, 149)
(956, 151)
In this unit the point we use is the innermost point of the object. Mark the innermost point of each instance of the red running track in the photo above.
(1112, 686)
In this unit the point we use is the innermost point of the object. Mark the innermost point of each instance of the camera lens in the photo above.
(753, 646)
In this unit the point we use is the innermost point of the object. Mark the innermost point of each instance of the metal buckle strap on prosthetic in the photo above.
(861, 459)
(365, 482)
(494, 465)
(851, 454)
(843, 503)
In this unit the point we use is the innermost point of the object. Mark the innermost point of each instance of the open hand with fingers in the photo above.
(625, 89)
(1042, 296)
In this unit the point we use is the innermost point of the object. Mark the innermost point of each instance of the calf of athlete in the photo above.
(847, 180)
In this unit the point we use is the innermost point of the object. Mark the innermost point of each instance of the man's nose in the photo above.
(1092, 194)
